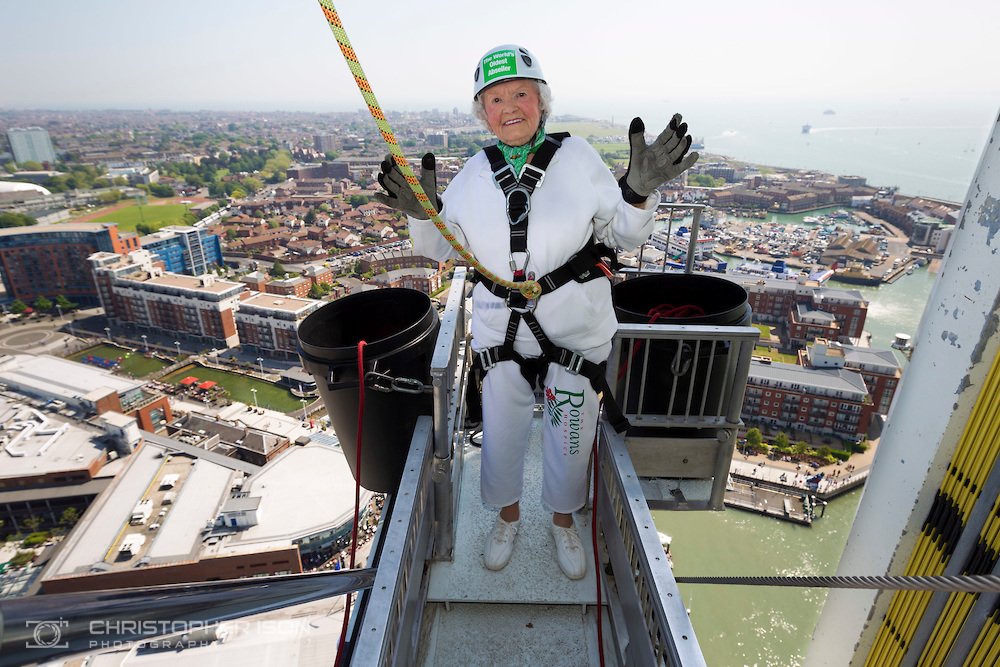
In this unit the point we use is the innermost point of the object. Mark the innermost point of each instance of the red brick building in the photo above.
(52, 259)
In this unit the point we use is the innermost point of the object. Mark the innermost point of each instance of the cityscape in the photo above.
(200, 241)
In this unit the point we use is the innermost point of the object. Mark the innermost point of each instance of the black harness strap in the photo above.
(581, 267)
(518, 190)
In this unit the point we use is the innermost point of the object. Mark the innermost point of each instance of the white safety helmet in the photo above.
(509, 61)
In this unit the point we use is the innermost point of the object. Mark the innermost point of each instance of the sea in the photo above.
(922, 145)
(772, 626)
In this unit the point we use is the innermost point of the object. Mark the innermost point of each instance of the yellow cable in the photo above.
(982, 644)
(974, 462)
(530, 289)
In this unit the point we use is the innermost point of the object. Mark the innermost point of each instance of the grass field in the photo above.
(268, 395)
(586, 128)
(133, 363)
(159, 214)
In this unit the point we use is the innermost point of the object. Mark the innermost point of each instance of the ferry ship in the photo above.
(676, 244)
(779, 271)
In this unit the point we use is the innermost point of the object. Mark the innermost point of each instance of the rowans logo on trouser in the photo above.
(571, 419)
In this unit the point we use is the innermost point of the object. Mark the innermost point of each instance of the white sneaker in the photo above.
(569, 551)
(499, 544)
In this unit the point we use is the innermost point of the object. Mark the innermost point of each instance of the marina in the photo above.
(774, 627)
(808, 246)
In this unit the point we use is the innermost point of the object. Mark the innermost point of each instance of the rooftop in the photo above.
(305, 490)
(830, 379)
(302, 492)
(277, 302)
(198, 283)
(39, 443)
(49, 376)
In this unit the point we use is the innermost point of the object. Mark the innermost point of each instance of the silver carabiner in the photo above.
(521, 216)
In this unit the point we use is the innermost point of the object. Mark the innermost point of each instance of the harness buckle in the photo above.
(575, 364)
(505, 177)
(486, 359)
(528, 305)
(534, 173)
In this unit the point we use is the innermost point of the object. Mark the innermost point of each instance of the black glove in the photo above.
(651, 166)
(398, 194)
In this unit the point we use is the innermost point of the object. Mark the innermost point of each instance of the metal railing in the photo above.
(681, 375)
(420, 524)
(649, 623)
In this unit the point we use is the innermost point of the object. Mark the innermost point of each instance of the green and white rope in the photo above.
(529, 288)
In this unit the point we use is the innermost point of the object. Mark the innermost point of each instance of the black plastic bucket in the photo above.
(399, 327)
(699, 375)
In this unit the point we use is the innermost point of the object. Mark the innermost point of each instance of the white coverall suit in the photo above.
(578, 199)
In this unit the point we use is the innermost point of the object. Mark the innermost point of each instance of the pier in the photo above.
(787, 494)
(753, 496)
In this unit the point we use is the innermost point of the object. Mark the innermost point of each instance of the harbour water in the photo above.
(771, 626)
(926, 146)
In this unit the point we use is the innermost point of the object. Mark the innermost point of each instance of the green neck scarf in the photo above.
(517, 156)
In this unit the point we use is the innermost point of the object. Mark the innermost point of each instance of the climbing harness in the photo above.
(582, 267)
(523, 289)
(529, 288)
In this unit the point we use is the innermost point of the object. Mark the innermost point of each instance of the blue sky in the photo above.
(281, 55)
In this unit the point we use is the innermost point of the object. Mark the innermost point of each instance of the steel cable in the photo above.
(972, 583)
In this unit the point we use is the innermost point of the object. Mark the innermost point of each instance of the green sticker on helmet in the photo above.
(499, 64)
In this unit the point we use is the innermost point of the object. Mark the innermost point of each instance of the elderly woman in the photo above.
(535, 207)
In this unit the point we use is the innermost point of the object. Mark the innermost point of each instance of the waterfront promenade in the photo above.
(763, 485)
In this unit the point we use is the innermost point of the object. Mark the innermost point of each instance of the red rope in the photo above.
(655, 313)
(357, 496)
(597, 558)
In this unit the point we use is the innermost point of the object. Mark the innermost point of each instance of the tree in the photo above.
(278, 271)
(161, 190)
(145, 228)
(10, 167)
(16, 220)
(310, 217)
(43, 304)
(65, 303)
(17, 306)
(800, 447)
(781, 440)
(753, 437)
(109, 197)
(230, 234)
(252, 184)
(32, 523)
(31, 165)
(69, 517)
(823, 452)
